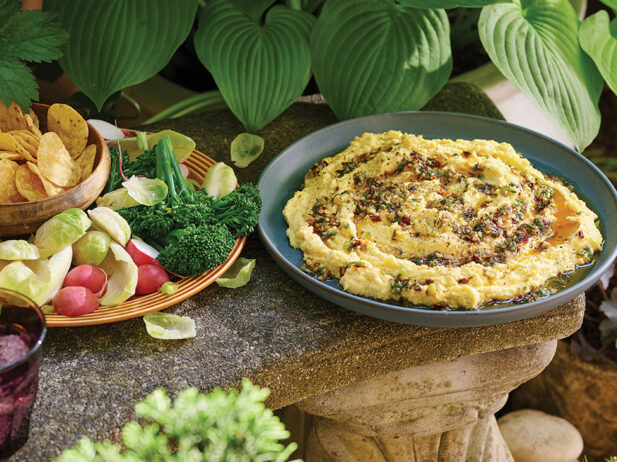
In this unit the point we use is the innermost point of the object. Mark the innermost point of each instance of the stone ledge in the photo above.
(272, 330)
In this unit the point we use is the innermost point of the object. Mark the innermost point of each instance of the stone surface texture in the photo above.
(271, 330)
(437, 412)
(537, 436)
(581, 392)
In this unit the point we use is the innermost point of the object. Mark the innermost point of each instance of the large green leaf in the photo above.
(259, 68)
(534, 43)
(598, 38)
(117, 43)
(449, 3)
(254, 9)
(610, 3)
(373, 56)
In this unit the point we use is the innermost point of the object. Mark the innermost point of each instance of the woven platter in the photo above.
(139, 305)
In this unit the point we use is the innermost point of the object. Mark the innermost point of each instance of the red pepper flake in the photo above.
(427, 282)
(341, 271)
(464, 280)
(375, 218)
(466, 154)
(405, 220)
(581, 234)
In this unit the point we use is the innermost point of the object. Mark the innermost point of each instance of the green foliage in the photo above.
(117, 43)
(535, 45)
(598, 37)
(217, 427)
(373, 56)
(259, 68)
(450, 3)
(30, 36)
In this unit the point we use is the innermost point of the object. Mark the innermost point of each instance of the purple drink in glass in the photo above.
(22, 330)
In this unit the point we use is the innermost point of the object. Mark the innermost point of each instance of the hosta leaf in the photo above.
(260, 69)
(374, 56)
(534, 44)
(598, 38)
(610, 3)
(252, 8)
(449, 3)
(117, 43)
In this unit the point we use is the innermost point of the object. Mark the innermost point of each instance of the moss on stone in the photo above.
(463, 97)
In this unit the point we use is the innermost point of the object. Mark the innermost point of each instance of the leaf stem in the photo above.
(208, 100)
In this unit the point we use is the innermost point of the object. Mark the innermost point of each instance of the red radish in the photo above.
(150, 278)
(142, 253)
(184, 169)
(75, 301)
(87, 276)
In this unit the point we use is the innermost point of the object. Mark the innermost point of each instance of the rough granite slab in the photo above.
(272, 331)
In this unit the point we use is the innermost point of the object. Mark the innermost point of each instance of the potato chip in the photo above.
(12, 118)
(50, 188)
(27, 140)
(33, 127)
(55, 162)
(8, 189)
(86, 161)
(35, 119)
(70, 127)
(29, 184)
(10, 155)
(9, 144)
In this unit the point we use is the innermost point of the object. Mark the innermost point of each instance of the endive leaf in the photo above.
(260, 69)
(117, 43)
(534, 44)
(449, 3)
(598, 38)
(374, 56)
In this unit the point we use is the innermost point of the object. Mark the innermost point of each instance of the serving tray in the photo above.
(285, 174)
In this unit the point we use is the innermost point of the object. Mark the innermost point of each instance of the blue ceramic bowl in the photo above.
(285, 173)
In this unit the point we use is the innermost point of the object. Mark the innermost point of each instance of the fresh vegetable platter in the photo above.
(170, 219)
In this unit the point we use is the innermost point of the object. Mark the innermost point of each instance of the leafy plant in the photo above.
(117, 43)
(535, 45)
(219, 426)
(259, 68)
(598, 37)
(29, 36)
(373, 56)
(367, 56)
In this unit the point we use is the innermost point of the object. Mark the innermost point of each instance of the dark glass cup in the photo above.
(22, 331)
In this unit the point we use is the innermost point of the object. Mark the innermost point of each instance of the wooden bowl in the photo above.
(25, 217)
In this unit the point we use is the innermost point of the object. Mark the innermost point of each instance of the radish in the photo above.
(88, 276)
(150, 278)
(75, 301)
(184, 169)
(142, 253)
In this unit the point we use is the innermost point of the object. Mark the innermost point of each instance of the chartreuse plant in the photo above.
(372, 56)
(259, 67)
(598, 37)
(217, 427)
(117, 43)
(534, 43)
(25, 36)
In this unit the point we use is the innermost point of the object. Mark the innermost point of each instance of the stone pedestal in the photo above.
(437, 412)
